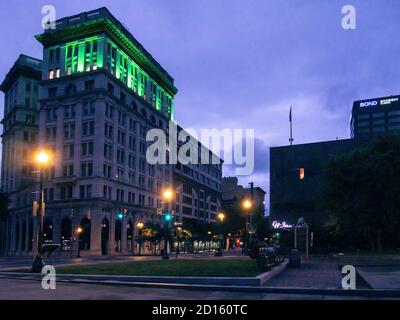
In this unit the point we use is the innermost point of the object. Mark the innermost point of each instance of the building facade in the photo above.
(297, 177)
(198, 186)
(100, 93)
(375, 116)
(233, 193)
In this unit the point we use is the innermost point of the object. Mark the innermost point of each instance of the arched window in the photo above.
(134, 106)
(70, 89)
(144, 113)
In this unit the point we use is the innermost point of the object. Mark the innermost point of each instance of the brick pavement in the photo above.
(320, 273)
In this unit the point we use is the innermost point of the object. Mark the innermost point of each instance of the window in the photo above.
(69, 111)
(68, 170)
(52, 92)
(120, 156)
(108, 131)
(132, 143)
(301, 174)
(121, 137)
(66, 192)
(109, 111)
(51, 74)
(85, 191)
(87, 128)
(70, 89)
(87, 169)
(88, 108)
(121, 118)
(123, 97)
(108, 151)
(131, 161)
(110, 88)
(87, 148)
(30, 118)
(69, 131)
(68, 152)
(89, 85)
(142, 165)
(107, 169)
(120, 174)
(51, 133)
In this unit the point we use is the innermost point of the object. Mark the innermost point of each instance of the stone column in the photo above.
(95, 232)
(111, 241)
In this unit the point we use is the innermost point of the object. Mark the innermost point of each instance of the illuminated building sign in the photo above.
(281, 225)
(375, 103)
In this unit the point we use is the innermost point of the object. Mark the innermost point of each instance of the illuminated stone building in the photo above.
(100, 93)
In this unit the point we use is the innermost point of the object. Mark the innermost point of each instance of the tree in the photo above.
(362, 193)
(3, 205)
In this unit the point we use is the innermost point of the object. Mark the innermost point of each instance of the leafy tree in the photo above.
(362, 193)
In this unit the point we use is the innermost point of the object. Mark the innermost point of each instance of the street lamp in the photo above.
(247, 205)
(42, 159)
(221, 218)
(79, 231)
(140, 226)
(167, 195)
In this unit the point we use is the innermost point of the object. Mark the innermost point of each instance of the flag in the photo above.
(290, 114)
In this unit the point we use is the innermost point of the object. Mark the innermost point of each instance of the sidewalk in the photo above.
(316, 273)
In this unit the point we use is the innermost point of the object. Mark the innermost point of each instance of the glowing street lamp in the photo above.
(221, 216)
(247, 204)
(79, 231)
(42, 159)
(167, 195)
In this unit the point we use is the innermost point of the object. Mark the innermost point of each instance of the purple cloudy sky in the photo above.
(241, 64)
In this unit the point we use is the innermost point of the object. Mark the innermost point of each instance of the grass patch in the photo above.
(200, 268)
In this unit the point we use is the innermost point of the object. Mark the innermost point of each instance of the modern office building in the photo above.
(375, 116)
(233, 193)
(100, 93)
(297, 177)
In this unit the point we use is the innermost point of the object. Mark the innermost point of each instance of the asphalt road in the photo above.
(11, 289)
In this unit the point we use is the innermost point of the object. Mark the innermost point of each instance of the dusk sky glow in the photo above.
(242, 64)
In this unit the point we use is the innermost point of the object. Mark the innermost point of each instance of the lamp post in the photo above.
(167, 195)
(221, 218)
(41, 159)
(247, 205)
(140, 226)
(79, 232)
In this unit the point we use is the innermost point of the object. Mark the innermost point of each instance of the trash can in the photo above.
(295, 258)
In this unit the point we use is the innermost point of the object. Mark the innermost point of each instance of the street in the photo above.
(32, 290)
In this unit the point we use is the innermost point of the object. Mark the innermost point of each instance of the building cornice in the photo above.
(128, 44)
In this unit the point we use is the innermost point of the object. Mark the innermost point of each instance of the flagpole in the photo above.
(291, 128)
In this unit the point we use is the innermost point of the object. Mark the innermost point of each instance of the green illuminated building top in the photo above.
(97, 40)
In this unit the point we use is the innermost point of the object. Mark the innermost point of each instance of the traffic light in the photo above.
(168, 217)
(120, 215)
